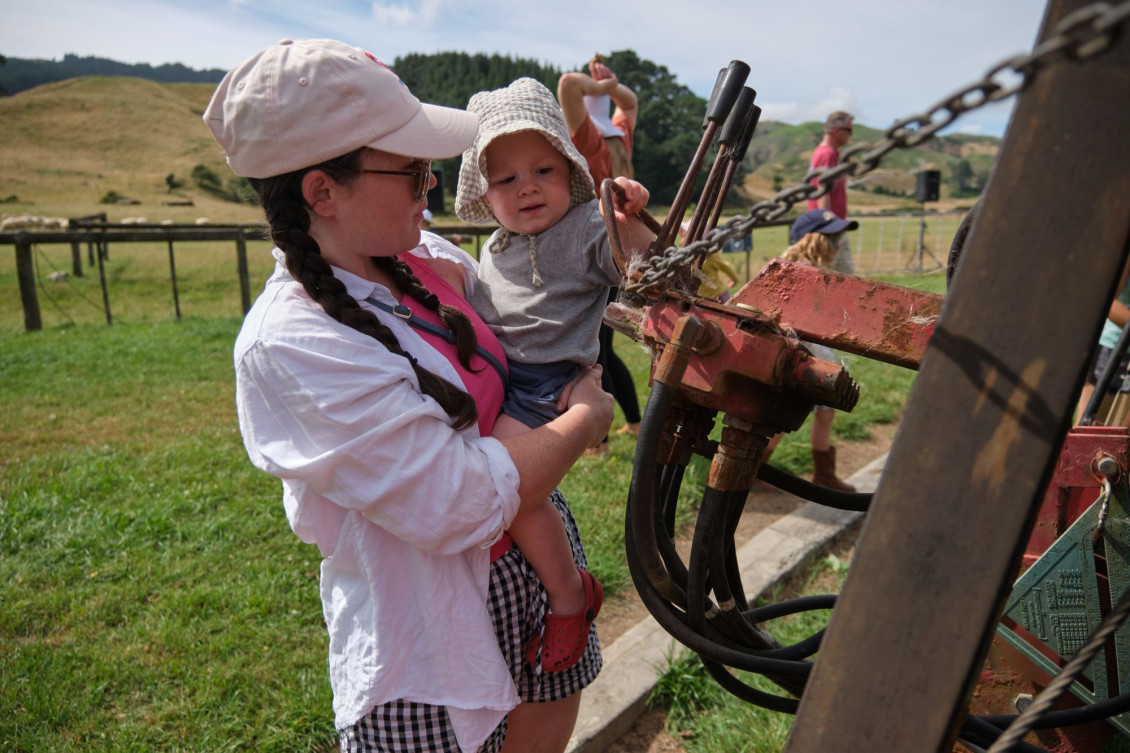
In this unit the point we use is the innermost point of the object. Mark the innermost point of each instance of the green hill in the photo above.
(69, 143)
(779, 156)
(18, 74)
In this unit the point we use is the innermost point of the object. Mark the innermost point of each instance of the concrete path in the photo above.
(612, 704)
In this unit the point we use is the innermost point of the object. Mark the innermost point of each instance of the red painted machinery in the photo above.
(993, 515)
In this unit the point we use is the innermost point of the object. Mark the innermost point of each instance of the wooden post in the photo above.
(244, 281)
(25, 271)
(921, 240)
(173, 276)
(102, 279)
(981, 433)
(76, 259)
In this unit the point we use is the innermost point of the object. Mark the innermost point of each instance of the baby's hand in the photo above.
(635, 198)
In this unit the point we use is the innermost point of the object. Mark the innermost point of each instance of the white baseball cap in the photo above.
(301, 102)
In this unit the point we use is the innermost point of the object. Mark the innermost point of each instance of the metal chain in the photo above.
(1080, 35)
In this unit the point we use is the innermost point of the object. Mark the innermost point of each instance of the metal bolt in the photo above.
(1108, 466)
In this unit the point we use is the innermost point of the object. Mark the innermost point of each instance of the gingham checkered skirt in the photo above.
(517, 603)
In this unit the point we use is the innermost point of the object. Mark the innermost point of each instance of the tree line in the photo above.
(670, 114)
(667, 134)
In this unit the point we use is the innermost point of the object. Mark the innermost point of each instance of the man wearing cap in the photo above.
(605, 143)
(837, 133)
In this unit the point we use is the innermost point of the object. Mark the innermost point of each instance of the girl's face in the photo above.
(527, 182)
(384, 210)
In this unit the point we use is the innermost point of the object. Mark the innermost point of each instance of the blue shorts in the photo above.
(534, 389)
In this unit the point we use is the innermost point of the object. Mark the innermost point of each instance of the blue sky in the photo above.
(879, 59)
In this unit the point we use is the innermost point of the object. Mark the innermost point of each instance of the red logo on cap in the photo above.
(382, 65)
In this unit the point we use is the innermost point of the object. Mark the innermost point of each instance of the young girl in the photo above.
(371, 423)
(815, 238)
(543, 285)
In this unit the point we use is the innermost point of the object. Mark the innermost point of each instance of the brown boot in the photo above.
(824, 471)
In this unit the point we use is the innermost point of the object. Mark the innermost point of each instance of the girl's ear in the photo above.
(318, 191)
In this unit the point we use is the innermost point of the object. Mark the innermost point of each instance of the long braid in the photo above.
(453, 318)
(289, 223)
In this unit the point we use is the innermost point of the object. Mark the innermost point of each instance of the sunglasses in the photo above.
(420, 169)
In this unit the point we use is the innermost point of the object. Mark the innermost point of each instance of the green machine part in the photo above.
(1057, 600)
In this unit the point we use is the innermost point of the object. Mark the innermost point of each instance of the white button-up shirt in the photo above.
(403, 507)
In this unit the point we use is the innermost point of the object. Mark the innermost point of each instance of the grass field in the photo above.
(154, 596)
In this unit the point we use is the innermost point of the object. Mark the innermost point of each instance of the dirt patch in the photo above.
(648, 736)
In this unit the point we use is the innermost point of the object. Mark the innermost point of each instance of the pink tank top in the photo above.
(483, 384)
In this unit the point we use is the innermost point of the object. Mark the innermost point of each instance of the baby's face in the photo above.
(527, 182)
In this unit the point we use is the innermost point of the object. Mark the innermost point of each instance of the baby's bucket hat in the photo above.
(525, 105)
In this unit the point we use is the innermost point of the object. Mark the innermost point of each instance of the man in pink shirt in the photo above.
(837, 133)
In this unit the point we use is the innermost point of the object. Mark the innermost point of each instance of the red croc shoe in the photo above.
(564, 638)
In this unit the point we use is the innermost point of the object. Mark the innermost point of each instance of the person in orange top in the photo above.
(605, 143)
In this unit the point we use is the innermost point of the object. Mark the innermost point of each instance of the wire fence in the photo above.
(138, 274)
(903, 243)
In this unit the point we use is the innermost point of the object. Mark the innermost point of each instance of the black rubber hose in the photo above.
(671, 482)
(1093, 712)
(673, 622)
(735, 508)
(750, 694)
(639, 519)
(850, 501)
(792, 606)
(670, 478)
(699, 570)
(709, 562)
(980, 730)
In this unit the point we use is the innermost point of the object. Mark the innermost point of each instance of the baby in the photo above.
(543, 285)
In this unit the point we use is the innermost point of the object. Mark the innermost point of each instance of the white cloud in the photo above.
(836, 98)
(877, 59)
(407, 12)
(397, 14)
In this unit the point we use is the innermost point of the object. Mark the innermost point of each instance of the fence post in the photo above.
(102, 280)
(921, 240)
(25, 271)
(76, 259)
(173, 276)
(244, 281)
